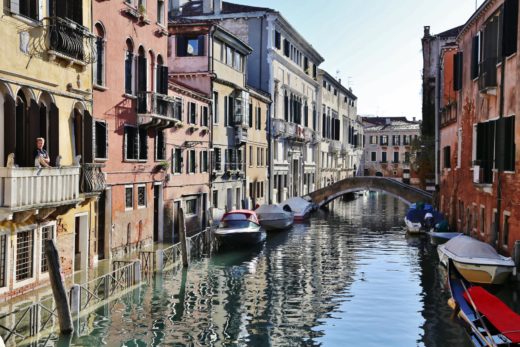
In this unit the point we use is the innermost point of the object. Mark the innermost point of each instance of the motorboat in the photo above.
(301, 207)
(275, 217)
(421, 218)
(438, 238)
(477, 261)
(240, 227)
(490, 322)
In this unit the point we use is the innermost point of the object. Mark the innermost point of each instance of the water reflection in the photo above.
(348, 278)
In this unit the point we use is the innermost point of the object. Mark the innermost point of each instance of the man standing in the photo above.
(41, 157)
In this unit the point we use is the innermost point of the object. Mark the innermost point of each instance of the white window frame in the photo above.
(7, 263)
(133, 197)
(145, 197)
(24, 282)
(196, 206)
(44, 275)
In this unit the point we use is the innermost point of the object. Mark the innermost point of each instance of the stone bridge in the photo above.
(402, 191)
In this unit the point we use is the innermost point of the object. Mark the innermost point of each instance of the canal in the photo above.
(350, 277)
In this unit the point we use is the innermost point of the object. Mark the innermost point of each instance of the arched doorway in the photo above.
(379, 174)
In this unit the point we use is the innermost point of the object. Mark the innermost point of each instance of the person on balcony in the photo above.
(41, 157)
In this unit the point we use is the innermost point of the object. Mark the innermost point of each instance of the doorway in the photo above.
(101, 226)
(81, 242)
(295, 178)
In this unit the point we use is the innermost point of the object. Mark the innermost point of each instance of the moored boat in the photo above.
(418, 215)
(490, 321)
(301, 207)
(438, 238)
(275, 217)
(240, 227)
(477, 261)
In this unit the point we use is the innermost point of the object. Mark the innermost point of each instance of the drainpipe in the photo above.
(500, 150)
(437, 114)
(273, 89)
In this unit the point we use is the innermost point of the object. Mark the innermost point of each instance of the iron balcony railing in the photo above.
(93, 178)
(488, 74)
(69, 39)
(234, 166)
(240, 135)
(155, 106)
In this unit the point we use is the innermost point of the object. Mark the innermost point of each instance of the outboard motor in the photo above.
(428, 221)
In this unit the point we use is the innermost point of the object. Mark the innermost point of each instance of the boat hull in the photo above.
(475, 272)
(437, 238)
(240, 238)
(276, 224)
(413, 228)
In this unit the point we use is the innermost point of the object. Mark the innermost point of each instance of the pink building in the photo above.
(132, 113)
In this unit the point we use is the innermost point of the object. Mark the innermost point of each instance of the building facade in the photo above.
(339, 152)
(46, 91)
(478, 134)
(132, 109)
(211, 60)
(284, 65)
(388, 147)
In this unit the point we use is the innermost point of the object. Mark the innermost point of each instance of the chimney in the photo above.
(207, 6)
(217, 6)
(426, 31)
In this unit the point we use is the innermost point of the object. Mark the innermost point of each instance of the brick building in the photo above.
(479, 183)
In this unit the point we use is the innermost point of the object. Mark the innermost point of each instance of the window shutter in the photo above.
(509, 146)
(164, 72)
(457, 71)
(181, 45)
(10, 126)
(286, 48)
(141, 75)
(88, 136)
(474, 57)
(510, 27)
(286, 107)
(225, 111)
(143, 143)
(201, 45)
(128, 73)
(277, 39)
(231, 111)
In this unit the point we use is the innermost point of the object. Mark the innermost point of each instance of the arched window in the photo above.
(99, 66)
(161, 76)
(141, 81)
(129, 60)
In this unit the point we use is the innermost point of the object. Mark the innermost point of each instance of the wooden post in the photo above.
(183, 239)
(58, 288)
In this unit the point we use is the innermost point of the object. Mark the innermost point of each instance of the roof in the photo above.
(194, 8)
(390, 123)
(383, 120)
(338, 84)
(453, 32)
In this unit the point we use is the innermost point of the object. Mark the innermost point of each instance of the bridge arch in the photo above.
(402, 191)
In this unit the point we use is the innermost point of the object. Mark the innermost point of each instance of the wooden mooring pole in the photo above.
(58, 288)
(183, 239)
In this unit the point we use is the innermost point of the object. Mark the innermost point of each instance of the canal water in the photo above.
(350, 277)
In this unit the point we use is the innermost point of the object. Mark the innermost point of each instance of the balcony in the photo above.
(157, 110)
(240, 136)
(26, 188)
(308, 135)
(344, 148)
(234, 168)
(70, 41)
(334, 146)
(93, 179)
(487, 81)
(278, 127)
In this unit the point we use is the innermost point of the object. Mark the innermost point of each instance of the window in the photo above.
(277, 40)
(396, 140)
(47, 233)
(160, 11)
(384, 140)
(192, 113)
(3, 260)
(24, 254)
(160, 145)
(99, 66)
(215, 198)
(407, 157)
(383, 157)
(373, 156)
(396, 157)
(215, 107)
(475, 56)
(250, 116)
(101, 140)
(373, 140)
(257, 156)
(482, 220)
(204, 161)
(177, 160)
(26, 8)
(229, 56)
(129, 71)
(131, 143)
(286, 48)
(237, 62)
(204, 116)
(141, 196)
(447, 157)
(217, 157)
(407, 139)
(191, 161)
(190, 45)
(129, 197)
(457, 71)
(505, 233)
(143, 144)
(258, 118)
(250, 155)
(509, 145)
(510, 27)
(191, 206)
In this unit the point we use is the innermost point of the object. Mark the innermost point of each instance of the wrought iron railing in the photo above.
(29, 321)
(70, 39)
(93, 178)
(157, 105)
(488, 74)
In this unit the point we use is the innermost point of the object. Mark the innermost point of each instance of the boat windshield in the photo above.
(241, 224)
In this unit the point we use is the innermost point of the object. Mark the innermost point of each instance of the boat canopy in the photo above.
(468, 247)
(240, 215)
(297, 204)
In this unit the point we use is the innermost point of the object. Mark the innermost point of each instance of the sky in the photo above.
(374, 44)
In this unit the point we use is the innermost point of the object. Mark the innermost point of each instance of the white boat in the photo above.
(477, 261)
(240, 227)
(275, 217)
(438, 238)
(413, 227)
(301, 207)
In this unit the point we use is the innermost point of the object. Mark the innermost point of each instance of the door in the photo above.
(295, 178)
(156, 194)
(81, 243)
